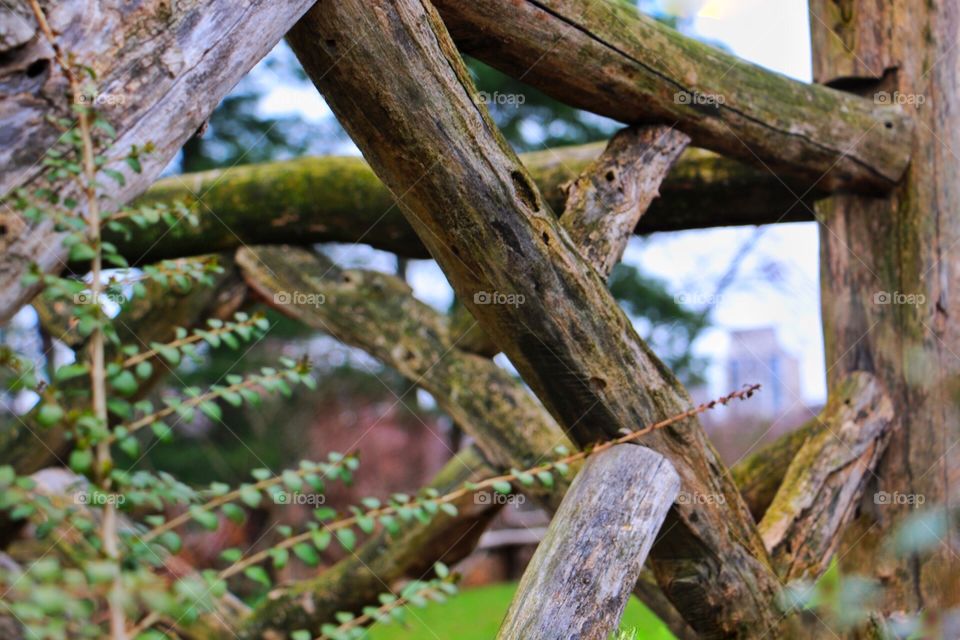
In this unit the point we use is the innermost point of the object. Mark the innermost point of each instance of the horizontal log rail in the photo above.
(608, 58)
(340, 199)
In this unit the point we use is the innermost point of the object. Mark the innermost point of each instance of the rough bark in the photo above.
(378, 314)
(478, 212)
(603, 206)
(608, 58)
(161, 69)
(873, 251)
(580, 578)
(340, 199)
(358, 579)
(827, 479)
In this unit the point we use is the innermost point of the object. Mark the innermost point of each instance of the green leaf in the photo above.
(321, 539)
(171, 541)
(130, 446)
(204, 518)
(545, 478)
(233, 512)
(162, 430)
(49, 414)
(69, 371)
(250, 496)
(280, 556)
(300, 634)
(144, 369)
(134, 163)
(502, 486)
(211, 410)
(258, 574)
(441, 570)
(261, 474)
(116, 176)
(347, 538)
(307, 554)
(81, 460)
(125, 383)
(231, 555)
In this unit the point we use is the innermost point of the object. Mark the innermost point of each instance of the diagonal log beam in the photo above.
(579, 580)
(377, 313)
(381, 65)
(161, 70)
(608, 58)
(827, 478)
(340, 199)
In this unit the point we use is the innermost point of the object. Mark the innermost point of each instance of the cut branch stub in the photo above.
(609, 58)
(382, 66)
(827, 478)
(585, 568)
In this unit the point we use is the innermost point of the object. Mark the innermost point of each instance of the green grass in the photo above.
(475, 614)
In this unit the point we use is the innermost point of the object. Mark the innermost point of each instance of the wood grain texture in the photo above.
(340, 199)
(381, 66)
(827, 479)
(888, 275)
(578, 581)
(608, 58)
(161, 69)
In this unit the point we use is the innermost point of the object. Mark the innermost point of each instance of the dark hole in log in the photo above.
(888, 125)
(546, 238)
(525, 190)
(37, 68)
(611, 176)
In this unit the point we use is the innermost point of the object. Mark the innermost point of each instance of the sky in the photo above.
(777, 284)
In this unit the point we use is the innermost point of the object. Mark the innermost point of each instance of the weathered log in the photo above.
(580, 578)
(827, 478)
(381, 66)
(603, 206)
(608, 58)
(378, 314)
(889, 275)
(160, 72)
(340, 199)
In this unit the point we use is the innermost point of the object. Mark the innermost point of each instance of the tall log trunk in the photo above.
(382, 65)
(887, 275)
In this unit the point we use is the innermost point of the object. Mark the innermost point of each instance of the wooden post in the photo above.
(583, 572)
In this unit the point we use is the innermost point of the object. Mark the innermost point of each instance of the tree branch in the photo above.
(197, 53)
(608, 58)
(381, 65)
